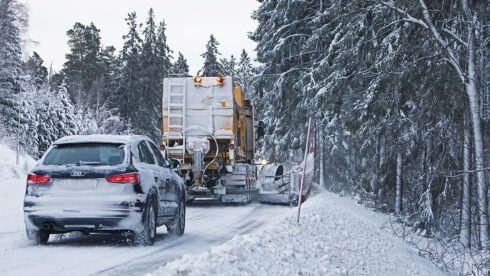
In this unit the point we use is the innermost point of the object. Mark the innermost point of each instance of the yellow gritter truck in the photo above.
(208, 127)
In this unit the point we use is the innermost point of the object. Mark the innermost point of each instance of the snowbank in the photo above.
(12, 189)
(336, 237)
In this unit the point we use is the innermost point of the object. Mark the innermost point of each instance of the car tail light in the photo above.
(232, 146)
(33, 179)
(129, 178)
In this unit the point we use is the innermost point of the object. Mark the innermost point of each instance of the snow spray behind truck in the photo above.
(208, 126)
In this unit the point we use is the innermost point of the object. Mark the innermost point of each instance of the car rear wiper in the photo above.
(89, 163)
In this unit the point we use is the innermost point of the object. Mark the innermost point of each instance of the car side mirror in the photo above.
(166, 164)
(174, 163)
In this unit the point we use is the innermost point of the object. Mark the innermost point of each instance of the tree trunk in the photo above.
(374, 180)
(473, 97)
(465, 234)
(398, 197)
(380, 177)
(322, 156)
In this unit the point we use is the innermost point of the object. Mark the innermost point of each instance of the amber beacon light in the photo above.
(197, 80)
(220, 80)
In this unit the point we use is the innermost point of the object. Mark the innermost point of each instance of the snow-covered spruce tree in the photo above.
(281, 35)
(36, 70)
(245, 74)
(180, 66)
(228, 67)
(164, 57)
(155, 61)
(11, 71)
(108, 121)
(211, 66)
(128, 90)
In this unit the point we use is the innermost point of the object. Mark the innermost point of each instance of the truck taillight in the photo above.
(232, 146)
(162, 147)
(129, 178)
(197, 80)
(220, 80)
(33, 179)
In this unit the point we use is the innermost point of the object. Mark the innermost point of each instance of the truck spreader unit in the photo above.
(208, 126)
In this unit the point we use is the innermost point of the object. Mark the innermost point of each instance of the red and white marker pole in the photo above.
(300, 200)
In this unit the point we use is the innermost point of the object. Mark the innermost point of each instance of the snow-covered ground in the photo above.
(12, 189)
(335, 236)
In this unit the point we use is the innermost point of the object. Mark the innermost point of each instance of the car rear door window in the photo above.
(85, 154)
(145, 154)
(157, 153)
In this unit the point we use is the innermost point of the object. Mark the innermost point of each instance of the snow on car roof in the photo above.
(97, 138)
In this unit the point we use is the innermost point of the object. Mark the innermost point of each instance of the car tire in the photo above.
(38, 236)
(178, 227)
(147, 236)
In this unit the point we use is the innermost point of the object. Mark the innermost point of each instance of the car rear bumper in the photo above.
(89, 216)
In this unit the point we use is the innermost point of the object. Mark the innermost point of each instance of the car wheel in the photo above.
(38, 236)
(179, 225)
(147, 235)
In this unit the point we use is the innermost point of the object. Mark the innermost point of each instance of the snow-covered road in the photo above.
(207, 226)
(80, 254)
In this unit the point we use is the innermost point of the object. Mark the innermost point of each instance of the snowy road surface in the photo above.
(106, 254)
(111, 255)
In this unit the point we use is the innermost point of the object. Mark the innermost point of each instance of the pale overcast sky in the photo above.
(189, 24)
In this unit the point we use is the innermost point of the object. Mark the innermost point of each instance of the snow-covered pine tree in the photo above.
(180, 66)
(82, 69)
(211, 66)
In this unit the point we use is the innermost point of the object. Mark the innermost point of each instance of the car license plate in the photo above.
(77, 184)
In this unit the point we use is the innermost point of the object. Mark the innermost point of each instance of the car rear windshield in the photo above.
(86, 154)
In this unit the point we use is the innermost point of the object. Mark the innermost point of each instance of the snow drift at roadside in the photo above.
(335, 237)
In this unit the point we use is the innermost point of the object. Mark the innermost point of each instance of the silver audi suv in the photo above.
(104, 184)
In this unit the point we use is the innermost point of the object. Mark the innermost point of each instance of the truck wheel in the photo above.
(178, 226)
(38, 236)
(147, 236)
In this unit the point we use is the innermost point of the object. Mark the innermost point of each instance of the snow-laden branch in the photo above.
(442, 42)
(461, 173)
(408, 17)
(455, 36)
(428, 24)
